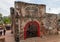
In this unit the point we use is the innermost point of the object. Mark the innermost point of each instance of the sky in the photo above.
(52, 6)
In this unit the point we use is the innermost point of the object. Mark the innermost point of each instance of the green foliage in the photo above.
(0, 15)
(1, 21)
(6, 20)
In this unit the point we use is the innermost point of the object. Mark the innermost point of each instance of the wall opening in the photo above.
(31, 29)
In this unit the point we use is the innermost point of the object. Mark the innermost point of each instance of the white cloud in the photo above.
(56, 0)
(5, 6)
(54, 10)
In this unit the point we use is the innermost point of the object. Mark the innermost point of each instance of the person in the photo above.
(0, 33)
(4, 31)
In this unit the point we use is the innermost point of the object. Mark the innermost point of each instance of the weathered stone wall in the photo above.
(2, 39)
(25, 12)
(58, 21)
(29, 12)
(13, 20)
(21, 6)
(51, 22)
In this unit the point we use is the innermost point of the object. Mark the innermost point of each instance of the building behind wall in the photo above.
(30, 18)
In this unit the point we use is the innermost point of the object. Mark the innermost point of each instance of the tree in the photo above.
(6, 20)
(1, 20)
(0, 15)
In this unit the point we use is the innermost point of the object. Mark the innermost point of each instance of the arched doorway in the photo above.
(31, 29)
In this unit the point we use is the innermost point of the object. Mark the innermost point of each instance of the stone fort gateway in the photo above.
(31, 20)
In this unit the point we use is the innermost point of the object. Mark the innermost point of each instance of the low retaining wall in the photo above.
(2, 39)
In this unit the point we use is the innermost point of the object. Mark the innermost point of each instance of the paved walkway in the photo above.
(9, 37)
(51, 38)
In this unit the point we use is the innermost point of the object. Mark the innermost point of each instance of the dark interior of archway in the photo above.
(31, 30)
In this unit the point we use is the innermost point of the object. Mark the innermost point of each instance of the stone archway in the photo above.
(35, 28)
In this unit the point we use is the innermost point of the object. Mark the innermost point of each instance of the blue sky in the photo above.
(54, 5)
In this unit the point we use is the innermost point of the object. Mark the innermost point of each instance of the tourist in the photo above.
(4, 31)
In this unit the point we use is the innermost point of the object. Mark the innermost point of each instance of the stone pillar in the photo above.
(12, 19)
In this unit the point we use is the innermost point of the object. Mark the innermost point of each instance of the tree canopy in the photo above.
(1, 20)
(0, 15)
(6, 20)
